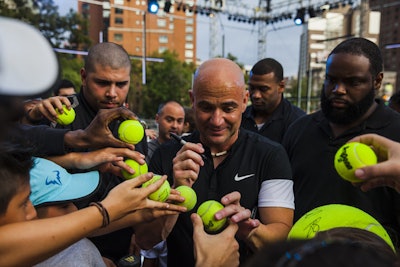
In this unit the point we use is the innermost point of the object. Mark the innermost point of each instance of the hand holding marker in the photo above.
(183, 142)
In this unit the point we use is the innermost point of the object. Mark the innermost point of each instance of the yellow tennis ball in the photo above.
(67, 117)
(352, 156)
(131, 131)
(139, 169)
(207, 212)
(190, 197)
(162, 193)
(336, 215)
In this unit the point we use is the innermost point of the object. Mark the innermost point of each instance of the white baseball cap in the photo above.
(28, 63)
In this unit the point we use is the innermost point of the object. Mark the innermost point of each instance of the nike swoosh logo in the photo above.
(239, 178)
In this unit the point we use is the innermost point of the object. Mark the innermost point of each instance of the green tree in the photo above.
(43, 14)
(235, 59)
(70, 70)
(167, 80)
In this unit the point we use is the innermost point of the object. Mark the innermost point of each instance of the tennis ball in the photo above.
(336, 215)
(162, 193)
(352, 156)
(139, 169)
(189, 195)
(65, 118)
(207, 212)
(131, 131)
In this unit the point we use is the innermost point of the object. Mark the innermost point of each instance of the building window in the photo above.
(189, 37)
(162, 49)
(188, 53)
(137, 39)
(163, 39)
(119, 11)
(137, 49)
(119, 2)
(85, 6)
(171, 26)
(161, 23)
(189, 46)
(119, 20)
(189, 21)
(118, 37)
(189, 29)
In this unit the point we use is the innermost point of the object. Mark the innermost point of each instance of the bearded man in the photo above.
(354, 73)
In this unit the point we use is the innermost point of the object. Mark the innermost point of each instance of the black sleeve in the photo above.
(46, 141)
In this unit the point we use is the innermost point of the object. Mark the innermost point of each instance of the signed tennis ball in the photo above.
(67, 117)
(131, 131)
(162, 193)
(352, 156)
(189, 195)
(336, 215)
(207, 212)
(139, 169)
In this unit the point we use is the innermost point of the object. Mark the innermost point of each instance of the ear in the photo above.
(245, 100)
(281, 85)
(378, 81)
(83, 76)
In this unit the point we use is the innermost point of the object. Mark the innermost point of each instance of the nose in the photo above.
(255, 93)
(30, 211)
(339, 88)
(217, 117)
(112, 91)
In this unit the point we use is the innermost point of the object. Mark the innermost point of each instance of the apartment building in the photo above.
(130, 24)
(389, 41)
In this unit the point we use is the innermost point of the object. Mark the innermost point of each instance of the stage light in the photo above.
(299, 19)
(311, 12)
(179, 6)
(167, 6)
(152, 6)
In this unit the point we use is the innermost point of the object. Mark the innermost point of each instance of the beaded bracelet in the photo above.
(103, 211)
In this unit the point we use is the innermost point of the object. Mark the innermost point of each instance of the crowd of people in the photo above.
(64, 201)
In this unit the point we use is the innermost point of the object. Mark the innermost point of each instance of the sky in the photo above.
(283, 39)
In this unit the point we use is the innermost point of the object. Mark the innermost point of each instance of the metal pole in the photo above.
(144, 49)
(309, 84)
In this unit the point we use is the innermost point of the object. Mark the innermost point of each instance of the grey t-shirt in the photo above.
(81, 254)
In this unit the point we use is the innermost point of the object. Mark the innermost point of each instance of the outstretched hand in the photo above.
(215, 250)
(97, 134)
(387, 171)
(129, 196)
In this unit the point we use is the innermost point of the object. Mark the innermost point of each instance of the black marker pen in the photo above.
(183, 142)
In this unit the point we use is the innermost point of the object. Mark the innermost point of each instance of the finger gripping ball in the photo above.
(207, 212)
(67, 117)
(131, 131)
(352, 156)
(190, 197)
(139, 169)
(162, 193)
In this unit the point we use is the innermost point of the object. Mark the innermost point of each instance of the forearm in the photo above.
(76, 139)
(265, 234)
(127, 221)
(68, 161)
(150, 234)
(27, 243)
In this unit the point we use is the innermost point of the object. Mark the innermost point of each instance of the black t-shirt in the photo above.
(311, 148)
(252, 156)
(276, 126)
